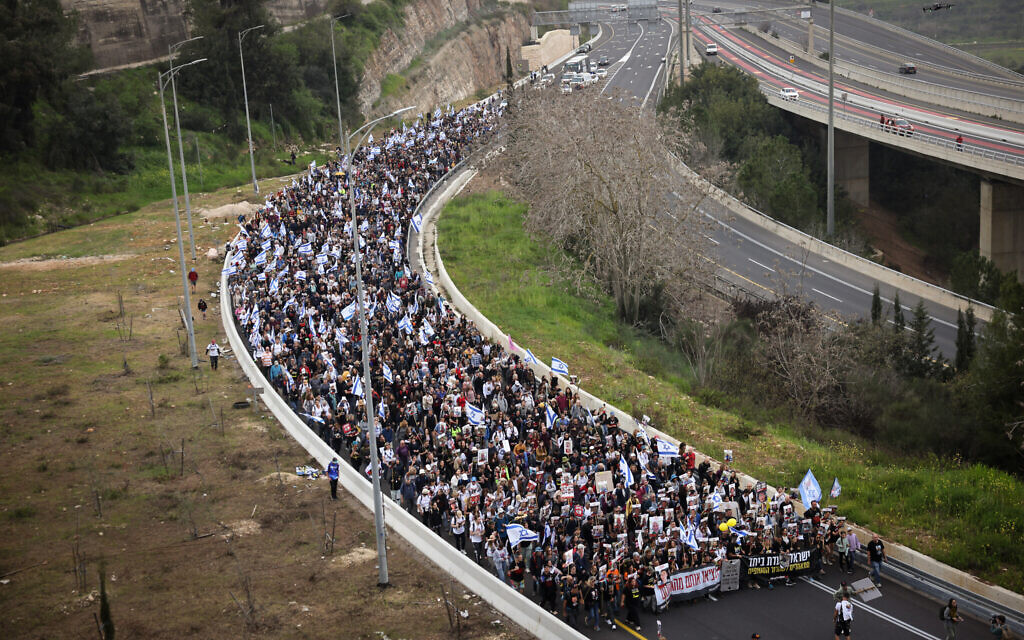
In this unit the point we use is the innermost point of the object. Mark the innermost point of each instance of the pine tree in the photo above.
(965, 345)
(876, 307)
(922, 358)
(508, 66)
(897, 315)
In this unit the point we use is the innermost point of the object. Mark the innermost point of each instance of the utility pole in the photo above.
(337, 92)
(830, 221)
(171, 50)
(245, 93)
(682, 28)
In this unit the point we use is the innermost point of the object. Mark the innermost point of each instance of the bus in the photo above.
(577, 64)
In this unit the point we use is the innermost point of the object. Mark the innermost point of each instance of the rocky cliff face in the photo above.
(472, 60)
(123, 32)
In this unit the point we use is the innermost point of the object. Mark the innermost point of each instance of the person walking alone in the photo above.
(193, 278)
(332, 475)
(876, 556)
(842, 616)
(213, 350)
(951, 619)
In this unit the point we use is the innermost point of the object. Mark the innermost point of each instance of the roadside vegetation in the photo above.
(945, 504)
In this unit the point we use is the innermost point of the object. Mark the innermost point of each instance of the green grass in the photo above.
(969, 516)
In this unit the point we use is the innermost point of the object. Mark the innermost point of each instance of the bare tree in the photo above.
(600, 183)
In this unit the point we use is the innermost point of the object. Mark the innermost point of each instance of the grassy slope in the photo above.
(966, 515)
(73, 422)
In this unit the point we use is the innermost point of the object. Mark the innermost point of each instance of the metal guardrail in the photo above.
(938, 141)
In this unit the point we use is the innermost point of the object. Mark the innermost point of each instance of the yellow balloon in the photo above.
(723, 527)
(731, 522)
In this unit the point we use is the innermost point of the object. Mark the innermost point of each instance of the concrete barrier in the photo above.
(424, 256)
(517, 607)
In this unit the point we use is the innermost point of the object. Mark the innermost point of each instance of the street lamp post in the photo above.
(337, 92)
(371, 429)
(830, 220)
(245, 94)
(171, 50)
(169, 74)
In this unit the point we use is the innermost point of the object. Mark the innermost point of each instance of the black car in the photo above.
(585, 48)
(716, 10)
(908, 67)
(602, 61)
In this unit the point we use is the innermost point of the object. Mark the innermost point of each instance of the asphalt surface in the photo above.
(803, 611)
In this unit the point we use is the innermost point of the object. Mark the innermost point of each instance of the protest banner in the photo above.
(687, 585)
(794, 563)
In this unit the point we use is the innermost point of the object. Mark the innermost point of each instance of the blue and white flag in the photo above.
(557, 366)
(836, 489)
(810, 491)
(274, 286)
(348, 312)
(417, 222)
(394, 303)
(529, 358)
(322, 258)
(429, 278)
(300, 276)
(518, 533)
(261, 258)
(387, 372)
(627, 473)
(666, 449)
(716, 500)
(405, 324)
(229, 271)
(427, 329)
(550, 416)
(312, 417)
(357, 388)
(740, 533)
(440, 306)
(266, 245)
(475, 415)
(380, 411)
(265, 231)
(689, 537)
(306, 249)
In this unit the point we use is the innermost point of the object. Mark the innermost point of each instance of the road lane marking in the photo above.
(627, 628)
(761, 265)
(881, 614)
(710, 239)
(826, 295)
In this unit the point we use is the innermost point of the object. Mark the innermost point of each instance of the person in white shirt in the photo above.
(213, 350)
(843, 617)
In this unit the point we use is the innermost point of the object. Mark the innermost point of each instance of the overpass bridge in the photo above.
(948, 105)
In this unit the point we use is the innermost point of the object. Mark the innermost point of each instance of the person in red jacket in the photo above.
(193, 278)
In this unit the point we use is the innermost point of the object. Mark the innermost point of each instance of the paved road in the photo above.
(797, 613)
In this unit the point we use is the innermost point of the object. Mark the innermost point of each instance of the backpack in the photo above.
(942, 613)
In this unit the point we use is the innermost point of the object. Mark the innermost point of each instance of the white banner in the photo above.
(694, 583)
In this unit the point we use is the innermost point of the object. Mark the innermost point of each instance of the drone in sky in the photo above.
(938, 6)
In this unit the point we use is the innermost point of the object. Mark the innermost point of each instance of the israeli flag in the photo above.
(357, 388)
(274, 286)
(557, 366)
(394, 303)
(836, 489)
(340, 337)
(306, 249)
(230, 271)
(417, 222)
(322, 258)
(810, 491)
(666, 449)
(300, 276)
(627, 473)
(348, 312)
(266, 245)
(261, 258)
(518, 533)
(742, 534)
(427, 329)
(429, 278)
(387, 373)
(265, 231)
(550, 416)
(530, 358)
(312, 417)
(405, 324)
(241, 244)
(380, 411)
(716, 500)
(689, 537)
(475, 415)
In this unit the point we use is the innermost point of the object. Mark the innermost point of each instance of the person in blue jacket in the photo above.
(332, 474)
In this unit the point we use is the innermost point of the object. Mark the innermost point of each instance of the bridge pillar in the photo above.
(1002, 225)
(810, 36)
(852, 166)
(533, 34)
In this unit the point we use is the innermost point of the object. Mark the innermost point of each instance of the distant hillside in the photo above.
(996, 25)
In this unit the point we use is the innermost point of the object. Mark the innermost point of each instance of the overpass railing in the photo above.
(772, 93)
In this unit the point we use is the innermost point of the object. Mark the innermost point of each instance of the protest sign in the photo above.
(779, 564)
(731, 575)
(603, 481)
(687, 585)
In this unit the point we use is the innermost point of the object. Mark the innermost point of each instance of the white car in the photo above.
(566, 88)
(789, 93)
(711, 49)
(601, 72)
